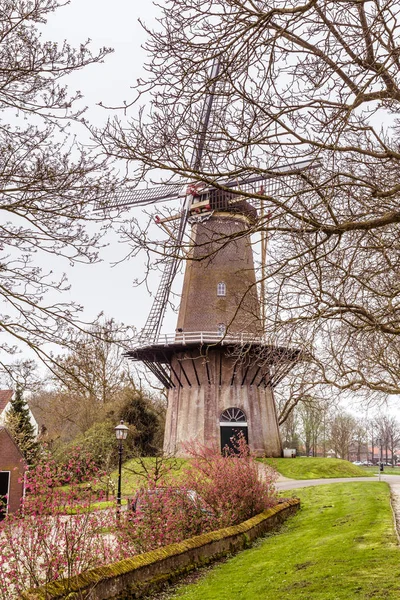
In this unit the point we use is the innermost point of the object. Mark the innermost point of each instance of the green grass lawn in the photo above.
(131, 481)
(340, 546)
(93, 507)
(315, 468)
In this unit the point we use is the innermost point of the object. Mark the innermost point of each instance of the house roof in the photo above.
(5, 397)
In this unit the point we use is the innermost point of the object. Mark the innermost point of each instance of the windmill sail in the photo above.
(282, 181)
(155, 319)
(141, 197)
(153, 324)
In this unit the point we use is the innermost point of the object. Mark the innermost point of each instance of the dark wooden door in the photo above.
(4, 484)
(229, 433)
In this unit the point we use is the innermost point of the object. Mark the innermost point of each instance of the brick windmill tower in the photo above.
(217, 367)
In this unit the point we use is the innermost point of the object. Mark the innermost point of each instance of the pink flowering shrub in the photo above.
(36, 549)
(230, 484)
(164, 515)
(45, 541)
(215, 491)
(51, 486)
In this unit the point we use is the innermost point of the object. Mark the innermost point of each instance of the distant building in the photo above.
(5, 404)
(12, 473)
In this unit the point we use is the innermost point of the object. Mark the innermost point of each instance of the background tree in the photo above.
(388, 430)
(91, 389)
(313, 80)
(48, 180)
(311, 416)
(148, 418)
(393, 435)
(59, 415)
(95, 367)
(343, 427)
(19, 424)
(290, 431)
(88, 381)
(360, 439)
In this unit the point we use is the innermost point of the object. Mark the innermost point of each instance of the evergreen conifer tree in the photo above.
(19, 425)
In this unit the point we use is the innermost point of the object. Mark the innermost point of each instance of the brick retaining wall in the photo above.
(132, 577)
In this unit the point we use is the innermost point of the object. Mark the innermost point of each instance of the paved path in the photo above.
(393, 480)
(289, 484)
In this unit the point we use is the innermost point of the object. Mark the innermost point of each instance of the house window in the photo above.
(221, 328)
(221, 289)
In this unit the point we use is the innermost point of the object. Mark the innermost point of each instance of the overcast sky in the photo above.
(112, 24)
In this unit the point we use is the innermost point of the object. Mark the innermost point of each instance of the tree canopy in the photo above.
(18, 422)
(316, 81)
(48, 180)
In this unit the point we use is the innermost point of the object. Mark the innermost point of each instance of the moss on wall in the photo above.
(132, 577)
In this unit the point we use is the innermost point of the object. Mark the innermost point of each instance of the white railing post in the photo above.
(208, 337)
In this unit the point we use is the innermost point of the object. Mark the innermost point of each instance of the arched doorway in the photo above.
(232, 422)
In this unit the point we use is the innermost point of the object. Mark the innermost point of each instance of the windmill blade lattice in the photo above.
(282, 182)
(153, 323)
(155, 319)
(142, 197)
(210, 122)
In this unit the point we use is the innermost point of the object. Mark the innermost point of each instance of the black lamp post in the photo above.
(380, 442)
(121, 431)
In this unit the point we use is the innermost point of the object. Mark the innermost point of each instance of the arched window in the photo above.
(221, 289)
(233, 415)
(233, 430)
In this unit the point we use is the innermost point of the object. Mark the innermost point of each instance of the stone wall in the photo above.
(131, 578)
(194, 411)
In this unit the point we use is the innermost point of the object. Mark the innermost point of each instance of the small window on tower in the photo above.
(221, 289)
(221, 329)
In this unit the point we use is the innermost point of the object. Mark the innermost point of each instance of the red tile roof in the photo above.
(5, 397)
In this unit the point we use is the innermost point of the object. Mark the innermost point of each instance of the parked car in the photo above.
(357, 462)
(189, 497)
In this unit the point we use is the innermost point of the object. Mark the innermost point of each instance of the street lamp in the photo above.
(121, 431)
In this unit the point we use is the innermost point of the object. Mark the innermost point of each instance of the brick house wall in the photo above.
(12, 460)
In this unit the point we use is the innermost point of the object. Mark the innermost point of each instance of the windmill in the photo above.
(217, 366)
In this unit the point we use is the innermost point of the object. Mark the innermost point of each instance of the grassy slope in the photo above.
(315, 468)
(340, 546)
(298, 468)
(386, 471)
(132, 481)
